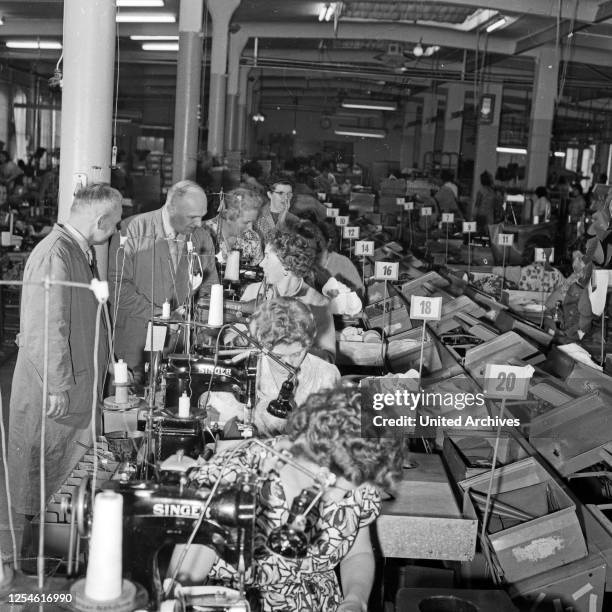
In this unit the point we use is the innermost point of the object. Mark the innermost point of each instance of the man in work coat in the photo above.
(164, 255)
(66, 254)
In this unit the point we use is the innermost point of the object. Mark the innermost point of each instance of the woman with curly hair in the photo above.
(287, 328)
(233, 228)
(324, 434)
(288, 261)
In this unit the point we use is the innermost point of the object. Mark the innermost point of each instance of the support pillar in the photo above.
(188, 84)
(487, 137)
(87, 101)
(243, 110)
(453, 117)
(542, 115)
(407, 150)
(428, 127)
(238, 41)
(221, 12)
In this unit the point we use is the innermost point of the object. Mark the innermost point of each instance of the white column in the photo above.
(221, 12)
(428, 126)
(188, 85)
(238, 41)
(487, 136)
(453, 117)
(542, 115)
(87, 100)
(407, 150)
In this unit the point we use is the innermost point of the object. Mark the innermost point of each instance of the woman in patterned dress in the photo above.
(324, 434)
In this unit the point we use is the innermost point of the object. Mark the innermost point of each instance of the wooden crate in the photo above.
(575, 435)
(462, 466)
(522, 549)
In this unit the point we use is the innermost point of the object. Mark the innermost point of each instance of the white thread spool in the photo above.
(104, 581)
(166, 310)
(232, 266)
(121, 372)
(536, 219)
(184, 407)
(215, 313)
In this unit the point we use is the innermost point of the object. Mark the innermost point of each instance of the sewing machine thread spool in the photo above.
(165, 310)
(184, 406)
(232, 267)
(215, 312)
(103, 587)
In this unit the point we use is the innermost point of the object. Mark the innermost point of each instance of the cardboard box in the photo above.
(522, 548)
(470, 452)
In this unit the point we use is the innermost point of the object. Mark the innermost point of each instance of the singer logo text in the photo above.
(183, 510)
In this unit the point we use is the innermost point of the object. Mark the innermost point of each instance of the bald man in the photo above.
(157, 243)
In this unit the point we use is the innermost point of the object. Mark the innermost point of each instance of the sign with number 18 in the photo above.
(425, 308)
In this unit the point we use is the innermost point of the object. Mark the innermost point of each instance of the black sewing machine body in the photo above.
(193, 375)
(158, 515)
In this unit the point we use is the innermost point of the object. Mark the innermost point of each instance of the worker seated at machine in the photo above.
(541, 275)
(289, 258)
(285, 329)
(318, 491)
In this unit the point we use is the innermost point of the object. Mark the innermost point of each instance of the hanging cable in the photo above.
(94, 400)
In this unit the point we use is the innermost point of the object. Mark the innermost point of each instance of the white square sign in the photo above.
(426, 211)
(505, 240)
(400, 201)
(425, 308)
(448, 217)
(386, 270)
(332, 212)
(364, 247)
(409, 205)
(351, 232)
(469, 227)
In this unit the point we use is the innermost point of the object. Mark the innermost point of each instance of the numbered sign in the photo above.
(332, 212)
(469, 227)
(507, 382)
(321, 195)
(539, 255)
(400, 201)
(448, 217)
(342, 221)
(386, 270)
(409, 205)
(350, 232)
(505, 240)
(425, 308)
(364, 247)
(426, 211)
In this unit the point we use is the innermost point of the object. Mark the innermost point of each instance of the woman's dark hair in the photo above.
(541, 192)
(296, 248)
(327, 429)
(486, 180)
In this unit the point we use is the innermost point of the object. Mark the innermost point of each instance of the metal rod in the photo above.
(422, 351)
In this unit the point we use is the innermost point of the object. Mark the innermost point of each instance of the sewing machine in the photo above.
(156, 515)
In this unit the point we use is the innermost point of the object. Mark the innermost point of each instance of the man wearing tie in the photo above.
(162, 255)
(66, 254)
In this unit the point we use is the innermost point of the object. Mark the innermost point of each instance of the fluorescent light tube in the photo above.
(496, 25)
(369, 105)
(147, 37)
(322, 12)
(145, 18)
(514, 150)
(160, 46)
(140, 3)
(559, 153)
(330, 11)
(33, 44)
(360, 132)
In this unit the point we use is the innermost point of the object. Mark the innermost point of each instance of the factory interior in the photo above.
(305, 306)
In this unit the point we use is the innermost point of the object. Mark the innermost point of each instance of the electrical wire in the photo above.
(9, 499)
(94, 400)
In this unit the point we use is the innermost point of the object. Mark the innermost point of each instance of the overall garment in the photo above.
(146, 252)
(293, 585)
(72, 321)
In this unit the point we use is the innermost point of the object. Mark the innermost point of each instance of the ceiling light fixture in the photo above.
(327, 10)
(360, 132)
(431, 50)
(145, 37)
(145, 18)
(512, 150)
(418, 50)
(370, 105)
(559, 153)
(33, 44)
(139, 3)
(495, 25)
(160, 46)
(258, 117)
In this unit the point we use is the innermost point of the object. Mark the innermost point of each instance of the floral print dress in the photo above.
(294, 585)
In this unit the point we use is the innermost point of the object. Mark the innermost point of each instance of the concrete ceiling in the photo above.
(368, 49)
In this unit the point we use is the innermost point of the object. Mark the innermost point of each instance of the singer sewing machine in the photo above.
(156, 515)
